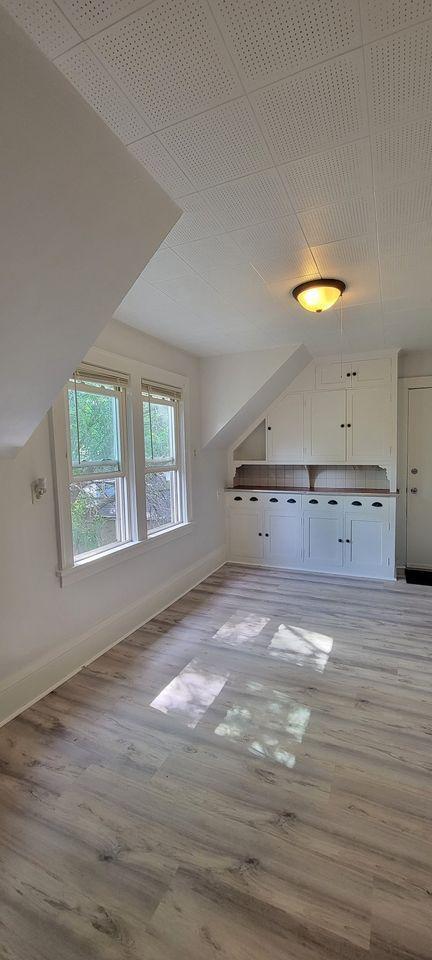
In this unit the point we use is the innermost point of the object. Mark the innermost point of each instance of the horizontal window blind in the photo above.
(160, 391)
(111, 378)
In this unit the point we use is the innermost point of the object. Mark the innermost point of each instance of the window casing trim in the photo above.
(140, 539)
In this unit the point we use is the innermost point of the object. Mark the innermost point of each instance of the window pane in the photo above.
(97, 511)
(94, 431)
(158, 432)
(161, 499)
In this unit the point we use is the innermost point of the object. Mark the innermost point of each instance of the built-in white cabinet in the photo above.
(369, 425)
(325, 419)
(285, 430)
(351, 535)
(374, 372)
(245, 535)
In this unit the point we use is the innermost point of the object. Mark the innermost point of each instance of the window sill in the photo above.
(126, 551)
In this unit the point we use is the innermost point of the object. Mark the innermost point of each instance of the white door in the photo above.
(333, 374)
(369, 425)
(326, 426)
(366, 546)
(283, 540)
(419, 493)
(245, 534)
(285, 430)
(323, 542)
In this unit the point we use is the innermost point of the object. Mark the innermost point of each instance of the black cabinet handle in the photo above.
(267, 534)
(274, 500)
(347, 541)
(342, 424)
(268, 428)
(253, 499)
(348, 424)
(333, 503)
(238, 498)
(340, 540)
(377, 504)
(348, 374)
(313, 501)
(356, 503)
(291, 500)
(354, 373)
(260, 534)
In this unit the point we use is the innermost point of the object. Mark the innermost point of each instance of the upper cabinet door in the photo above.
(371, 373)
(369, 426)
(285, 430)
(333, 374)
(326, 426)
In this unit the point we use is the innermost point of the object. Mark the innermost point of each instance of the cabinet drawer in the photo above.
(243, 498)
(329, 504)
(375, 507)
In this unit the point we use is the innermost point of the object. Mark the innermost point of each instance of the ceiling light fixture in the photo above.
(318, 295)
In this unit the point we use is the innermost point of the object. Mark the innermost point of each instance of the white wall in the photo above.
(415, 363)
(80, 218)
(39, 619)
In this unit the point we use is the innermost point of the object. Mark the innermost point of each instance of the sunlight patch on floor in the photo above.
(271, 727)
(301, 646)
(241, 628)
(191, 692)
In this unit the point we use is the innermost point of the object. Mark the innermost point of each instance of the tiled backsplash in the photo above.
(285, 475)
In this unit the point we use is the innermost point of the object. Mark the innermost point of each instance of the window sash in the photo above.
(121, 521)
(171, 463)
(120, 396)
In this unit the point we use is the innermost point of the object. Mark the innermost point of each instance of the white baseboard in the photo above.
(26, 687)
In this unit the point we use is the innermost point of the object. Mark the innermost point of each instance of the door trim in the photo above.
(405, 385)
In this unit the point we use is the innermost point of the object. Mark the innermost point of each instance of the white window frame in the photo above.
(174, 400)
(133, 466)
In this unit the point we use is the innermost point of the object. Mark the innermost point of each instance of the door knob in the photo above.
(414, 470)
(413, 490)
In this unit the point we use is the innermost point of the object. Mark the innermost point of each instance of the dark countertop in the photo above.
(342, 491)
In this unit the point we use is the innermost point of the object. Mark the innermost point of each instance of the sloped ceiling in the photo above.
(79, 219)
(296, 136)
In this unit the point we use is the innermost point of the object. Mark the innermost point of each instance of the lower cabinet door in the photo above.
(283, 539)
(367, 547)
(245, 534)
(323, 542)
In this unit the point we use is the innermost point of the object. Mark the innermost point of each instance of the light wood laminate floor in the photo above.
(249, 776)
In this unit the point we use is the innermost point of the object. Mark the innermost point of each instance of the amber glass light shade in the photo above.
(318, 295)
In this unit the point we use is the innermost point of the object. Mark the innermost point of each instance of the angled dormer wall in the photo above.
(80, 218)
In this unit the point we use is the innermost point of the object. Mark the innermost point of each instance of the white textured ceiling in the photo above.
(296, 135)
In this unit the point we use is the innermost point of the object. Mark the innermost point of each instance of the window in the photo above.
(120, 464)
(98, 476)
(163, 467)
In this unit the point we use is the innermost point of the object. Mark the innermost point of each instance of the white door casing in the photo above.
(419, 503)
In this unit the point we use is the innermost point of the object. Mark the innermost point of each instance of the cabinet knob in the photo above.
(348, 374)
(413, 490)
(348, 424)
(260, 534)
(268, 428)
(340, 540)
(267, 534)
(347, 541)
(354, 373)
(342, 424)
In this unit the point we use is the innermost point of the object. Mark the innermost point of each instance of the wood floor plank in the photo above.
(246, 776)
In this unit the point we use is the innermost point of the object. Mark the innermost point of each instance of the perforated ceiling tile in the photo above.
(249, 200)
(221, 144)
(402, 153)
(399, 75)
(349, 218)
(165, 265)
(44, 23)
(208, 254)
(196, 221)
(270, 39)
(195, 294)
(161, 166)
(271, 239)
(407, 240)
(326, 177)
(170, 60)
(405, 203)
(84, 71)
(334, 258)
(318, 108)
(90, 16)
(294, 262)
(381, 17)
